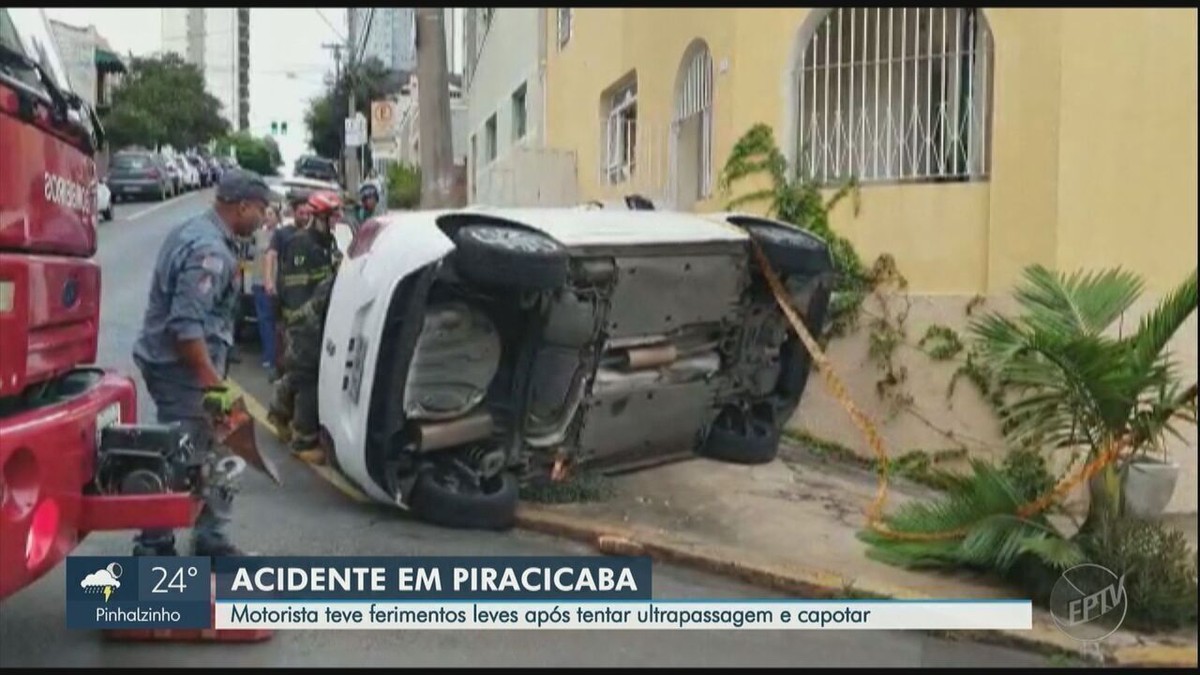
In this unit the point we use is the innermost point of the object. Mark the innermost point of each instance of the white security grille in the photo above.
(695, 97)
(896, 94)
(620, 151)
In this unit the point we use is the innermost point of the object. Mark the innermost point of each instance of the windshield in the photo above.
(137, 162)
(24, 30)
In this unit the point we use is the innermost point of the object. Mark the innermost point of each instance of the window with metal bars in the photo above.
(693, 103)
(621, 133)
(895, 94)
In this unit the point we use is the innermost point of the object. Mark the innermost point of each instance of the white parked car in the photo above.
(190, 176)
(104, 207)
(468, 351)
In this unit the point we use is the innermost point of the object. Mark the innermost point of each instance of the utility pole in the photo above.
(337, 81)
(351, 154)
(433, 100)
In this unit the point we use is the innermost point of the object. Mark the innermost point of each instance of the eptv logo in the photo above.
(1088, 602)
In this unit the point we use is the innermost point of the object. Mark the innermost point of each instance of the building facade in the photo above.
(504, 71)
(985, 140)
(389, 35)
(217, 40)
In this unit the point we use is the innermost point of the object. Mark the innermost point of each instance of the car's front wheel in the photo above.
(451, 495)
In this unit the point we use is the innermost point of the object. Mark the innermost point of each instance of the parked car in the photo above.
(202, 170)
(104, 205)
(173, 170)
(140, 173)
(188, 174)
(466, 352)
(319, 168)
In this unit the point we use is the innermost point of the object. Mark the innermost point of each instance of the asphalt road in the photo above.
(307, 516)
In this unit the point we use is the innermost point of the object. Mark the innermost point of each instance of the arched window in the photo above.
(692, 126)
(894, 94)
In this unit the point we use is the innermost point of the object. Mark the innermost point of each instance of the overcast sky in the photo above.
(287, 62)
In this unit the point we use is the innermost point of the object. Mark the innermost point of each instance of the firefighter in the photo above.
(309, 258)
(186, 335)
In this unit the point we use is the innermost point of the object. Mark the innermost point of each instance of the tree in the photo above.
(163, 102)
(326, 113)
(273, 150)
(260, 155)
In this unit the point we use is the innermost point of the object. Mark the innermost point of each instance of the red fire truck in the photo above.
(72, 460)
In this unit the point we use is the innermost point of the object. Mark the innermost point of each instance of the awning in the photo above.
(109, 62)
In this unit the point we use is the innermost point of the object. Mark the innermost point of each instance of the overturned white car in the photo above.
(468, 351)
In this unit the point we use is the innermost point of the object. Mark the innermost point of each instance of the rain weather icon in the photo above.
(103, 581)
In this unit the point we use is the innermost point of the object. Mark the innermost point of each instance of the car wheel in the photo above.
(507, 256)
(107, 214)
(790, 249)
(743, 437)
(442, 497)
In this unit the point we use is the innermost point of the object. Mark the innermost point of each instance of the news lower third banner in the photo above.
(476, 593)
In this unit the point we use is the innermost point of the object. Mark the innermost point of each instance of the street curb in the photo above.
(1045, 638)
(796, 580)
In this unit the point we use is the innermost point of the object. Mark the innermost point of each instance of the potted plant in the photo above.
(1148, 476)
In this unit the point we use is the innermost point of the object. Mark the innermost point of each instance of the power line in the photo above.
(336, 32)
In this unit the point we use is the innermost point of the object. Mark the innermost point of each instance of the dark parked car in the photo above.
(139, 173)
(319, 168)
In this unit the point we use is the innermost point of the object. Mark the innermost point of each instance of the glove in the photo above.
(218, 400)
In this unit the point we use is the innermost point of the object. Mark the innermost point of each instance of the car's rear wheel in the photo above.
(510, 257)
(451, 495)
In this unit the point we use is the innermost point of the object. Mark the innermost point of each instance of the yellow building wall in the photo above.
(1093, 164)
(1093, 153)
(1127, 142)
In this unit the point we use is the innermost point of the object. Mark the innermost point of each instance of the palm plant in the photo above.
(1065, 383)
(1069, 384)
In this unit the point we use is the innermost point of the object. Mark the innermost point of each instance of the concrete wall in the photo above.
(508, 58)
(1092, 164)
(77, 48)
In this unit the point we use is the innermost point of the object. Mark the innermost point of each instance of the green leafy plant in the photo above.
(984, 503)
(403, 186)
(1069, 385)
(1159, 569)
(792, 199)
(940, 342)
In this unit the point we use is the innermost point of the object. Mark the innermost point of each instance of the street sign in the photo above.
(356, 130)
(383, 117)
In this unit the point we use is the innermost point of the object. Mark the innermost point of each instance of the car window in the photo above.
(24, 30)
(132, 162)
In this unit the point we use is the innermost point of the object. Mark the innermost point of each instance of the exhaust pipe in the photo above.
(439, 436)
(650, 357)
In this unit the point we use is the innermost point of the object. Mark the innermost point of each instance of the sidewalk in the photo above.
(790, 526)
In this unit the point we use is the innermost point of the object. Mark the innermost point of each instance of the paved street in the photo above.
(306, 516)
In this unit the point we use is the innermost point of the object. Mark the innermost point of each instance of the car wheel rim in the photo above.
(513, 240)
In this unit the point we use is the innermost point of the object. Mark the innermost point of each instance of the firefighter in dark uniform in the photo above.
(306, 266)
(186, 336)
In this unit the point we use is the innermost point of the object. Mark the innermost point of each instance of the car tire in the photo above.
(790, 249)
(439, 504)
(107, 214)
(511, 257)
(740, 438)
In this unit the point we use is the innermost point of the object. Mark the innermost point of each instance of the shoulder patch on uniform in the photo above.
(212, 263)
